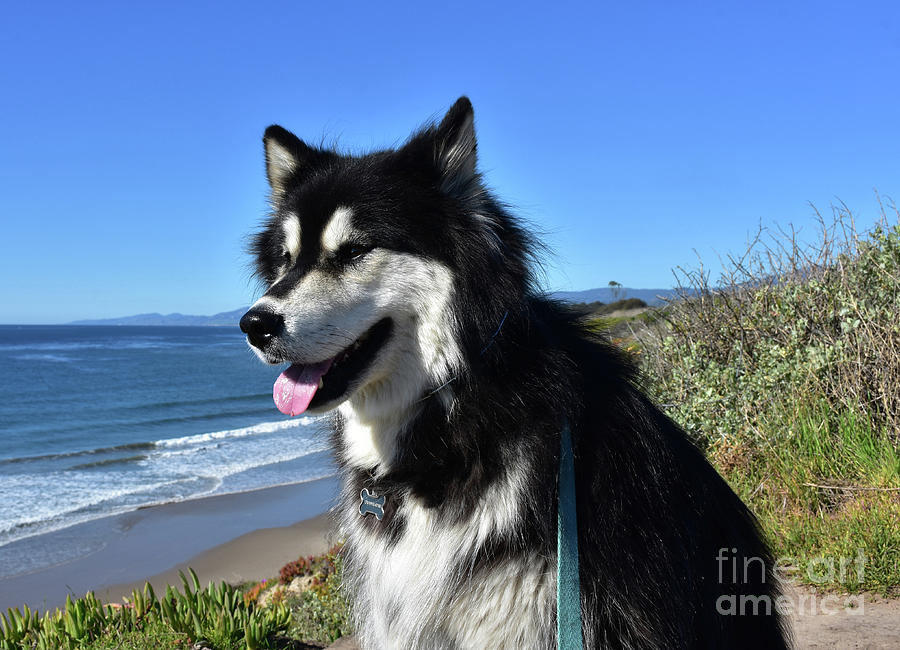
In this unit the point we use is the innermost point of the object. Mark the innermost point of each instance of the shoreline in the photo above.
(230, 536)
(256, 555)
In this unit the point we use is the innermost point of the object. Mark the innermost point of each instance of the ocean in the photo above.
(101, 420)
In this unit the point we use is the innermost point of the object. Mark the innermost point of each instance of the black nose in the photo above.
(260, 326)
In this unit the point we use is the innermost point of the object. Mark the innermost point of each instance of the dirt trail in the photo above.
(820, 621)
(864, 621)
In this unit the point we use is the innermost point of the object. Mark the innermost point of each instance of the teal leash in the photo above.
(568, 586)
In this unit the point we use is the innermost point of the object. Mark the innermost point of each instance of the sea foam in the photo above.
(117, 480)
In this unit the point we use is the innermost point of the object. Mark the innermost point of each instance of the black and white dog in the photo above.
(401, 291)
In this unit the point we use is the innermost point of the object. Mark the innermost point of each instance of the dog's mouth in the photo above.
(311, 385)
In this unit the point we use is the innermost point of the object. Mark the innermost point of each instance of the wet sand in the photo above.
(232, 537)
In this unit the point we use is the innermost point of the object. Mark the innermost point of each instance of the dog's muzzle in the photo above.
(261, 326)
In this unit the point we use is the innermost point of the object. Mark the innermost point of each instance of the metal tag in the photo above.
(371, 504)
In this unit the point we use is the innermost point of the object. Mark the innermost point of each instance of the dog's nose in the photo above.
(260, 326)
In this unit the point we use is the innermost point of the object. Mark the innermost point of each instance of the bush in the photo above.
(620, 305)
(601, 308)
(321, 612)
(217, 616)
(786, 372)
(786, 320)
(297, 568)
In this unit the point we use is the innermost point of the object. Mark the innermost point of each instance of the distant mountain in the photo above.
(652, 297)
(225, 318)
(231, 318)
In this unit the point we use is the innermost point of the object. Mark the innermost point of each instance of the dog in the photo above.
(403, 294)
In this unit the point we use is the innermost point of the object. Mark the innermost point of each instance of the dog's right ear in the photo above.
(286, 155)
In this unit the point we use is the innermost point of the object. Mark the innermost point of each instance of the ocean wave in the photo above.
(131, 446)
(74, 498)
(108, 461)
(149, 343)
(210, 400)
(256, 429)
(51, 358)
(214, 454)
(112, 503)
(199, 417)
(88, 506)
(125, 416)
(154, 426)
(64, 489)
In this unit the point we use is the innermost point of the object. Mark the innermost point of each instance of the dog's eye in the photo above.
(351, 252)
(286, 257)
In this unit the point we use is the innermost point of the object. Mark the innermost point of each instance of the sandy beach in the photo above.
(232, 537)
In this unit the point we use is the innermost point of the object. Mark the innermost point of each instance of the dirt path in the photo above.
(870, 623)
(862, 622)
(865, 621)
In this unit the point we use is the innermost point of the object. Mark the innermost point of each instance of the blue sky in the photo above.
(632, 133)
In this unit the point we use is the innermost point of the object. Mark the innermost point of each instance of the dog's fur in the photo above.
(456, 419)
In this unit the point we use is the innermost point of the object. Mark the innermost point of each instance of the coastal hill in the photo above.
(225, 318)
(653, 297)
(230, 318)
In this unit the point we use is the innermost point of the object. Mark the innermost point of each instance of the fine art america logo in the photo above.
(822, 570)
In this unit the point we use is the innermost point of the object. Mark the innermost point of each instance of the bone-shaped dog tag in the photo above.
(371, 504)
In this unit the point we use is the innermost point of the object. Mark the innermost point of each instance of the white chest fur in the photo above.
(421, 590)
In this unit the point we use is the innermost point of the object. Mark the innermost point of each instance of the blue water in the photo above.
(100, 420)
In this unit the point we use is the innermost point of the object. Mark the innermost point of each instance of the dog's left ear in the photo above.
(455, 145)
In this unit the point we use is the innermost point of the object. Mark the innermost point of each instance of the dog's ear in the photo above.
(286, 155)
(455, 147)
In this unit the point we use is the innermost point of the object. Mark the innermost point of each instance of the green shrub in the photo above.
(217, 616)
(620, 305)
(321, 612)
(786, 373)
(601, 308)
(785, 321)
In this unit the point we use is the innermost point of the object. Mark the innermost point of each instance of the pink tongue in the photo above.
(296, 386)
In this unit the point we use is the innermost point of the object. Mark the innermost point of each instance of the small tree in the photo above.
(616, 290)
